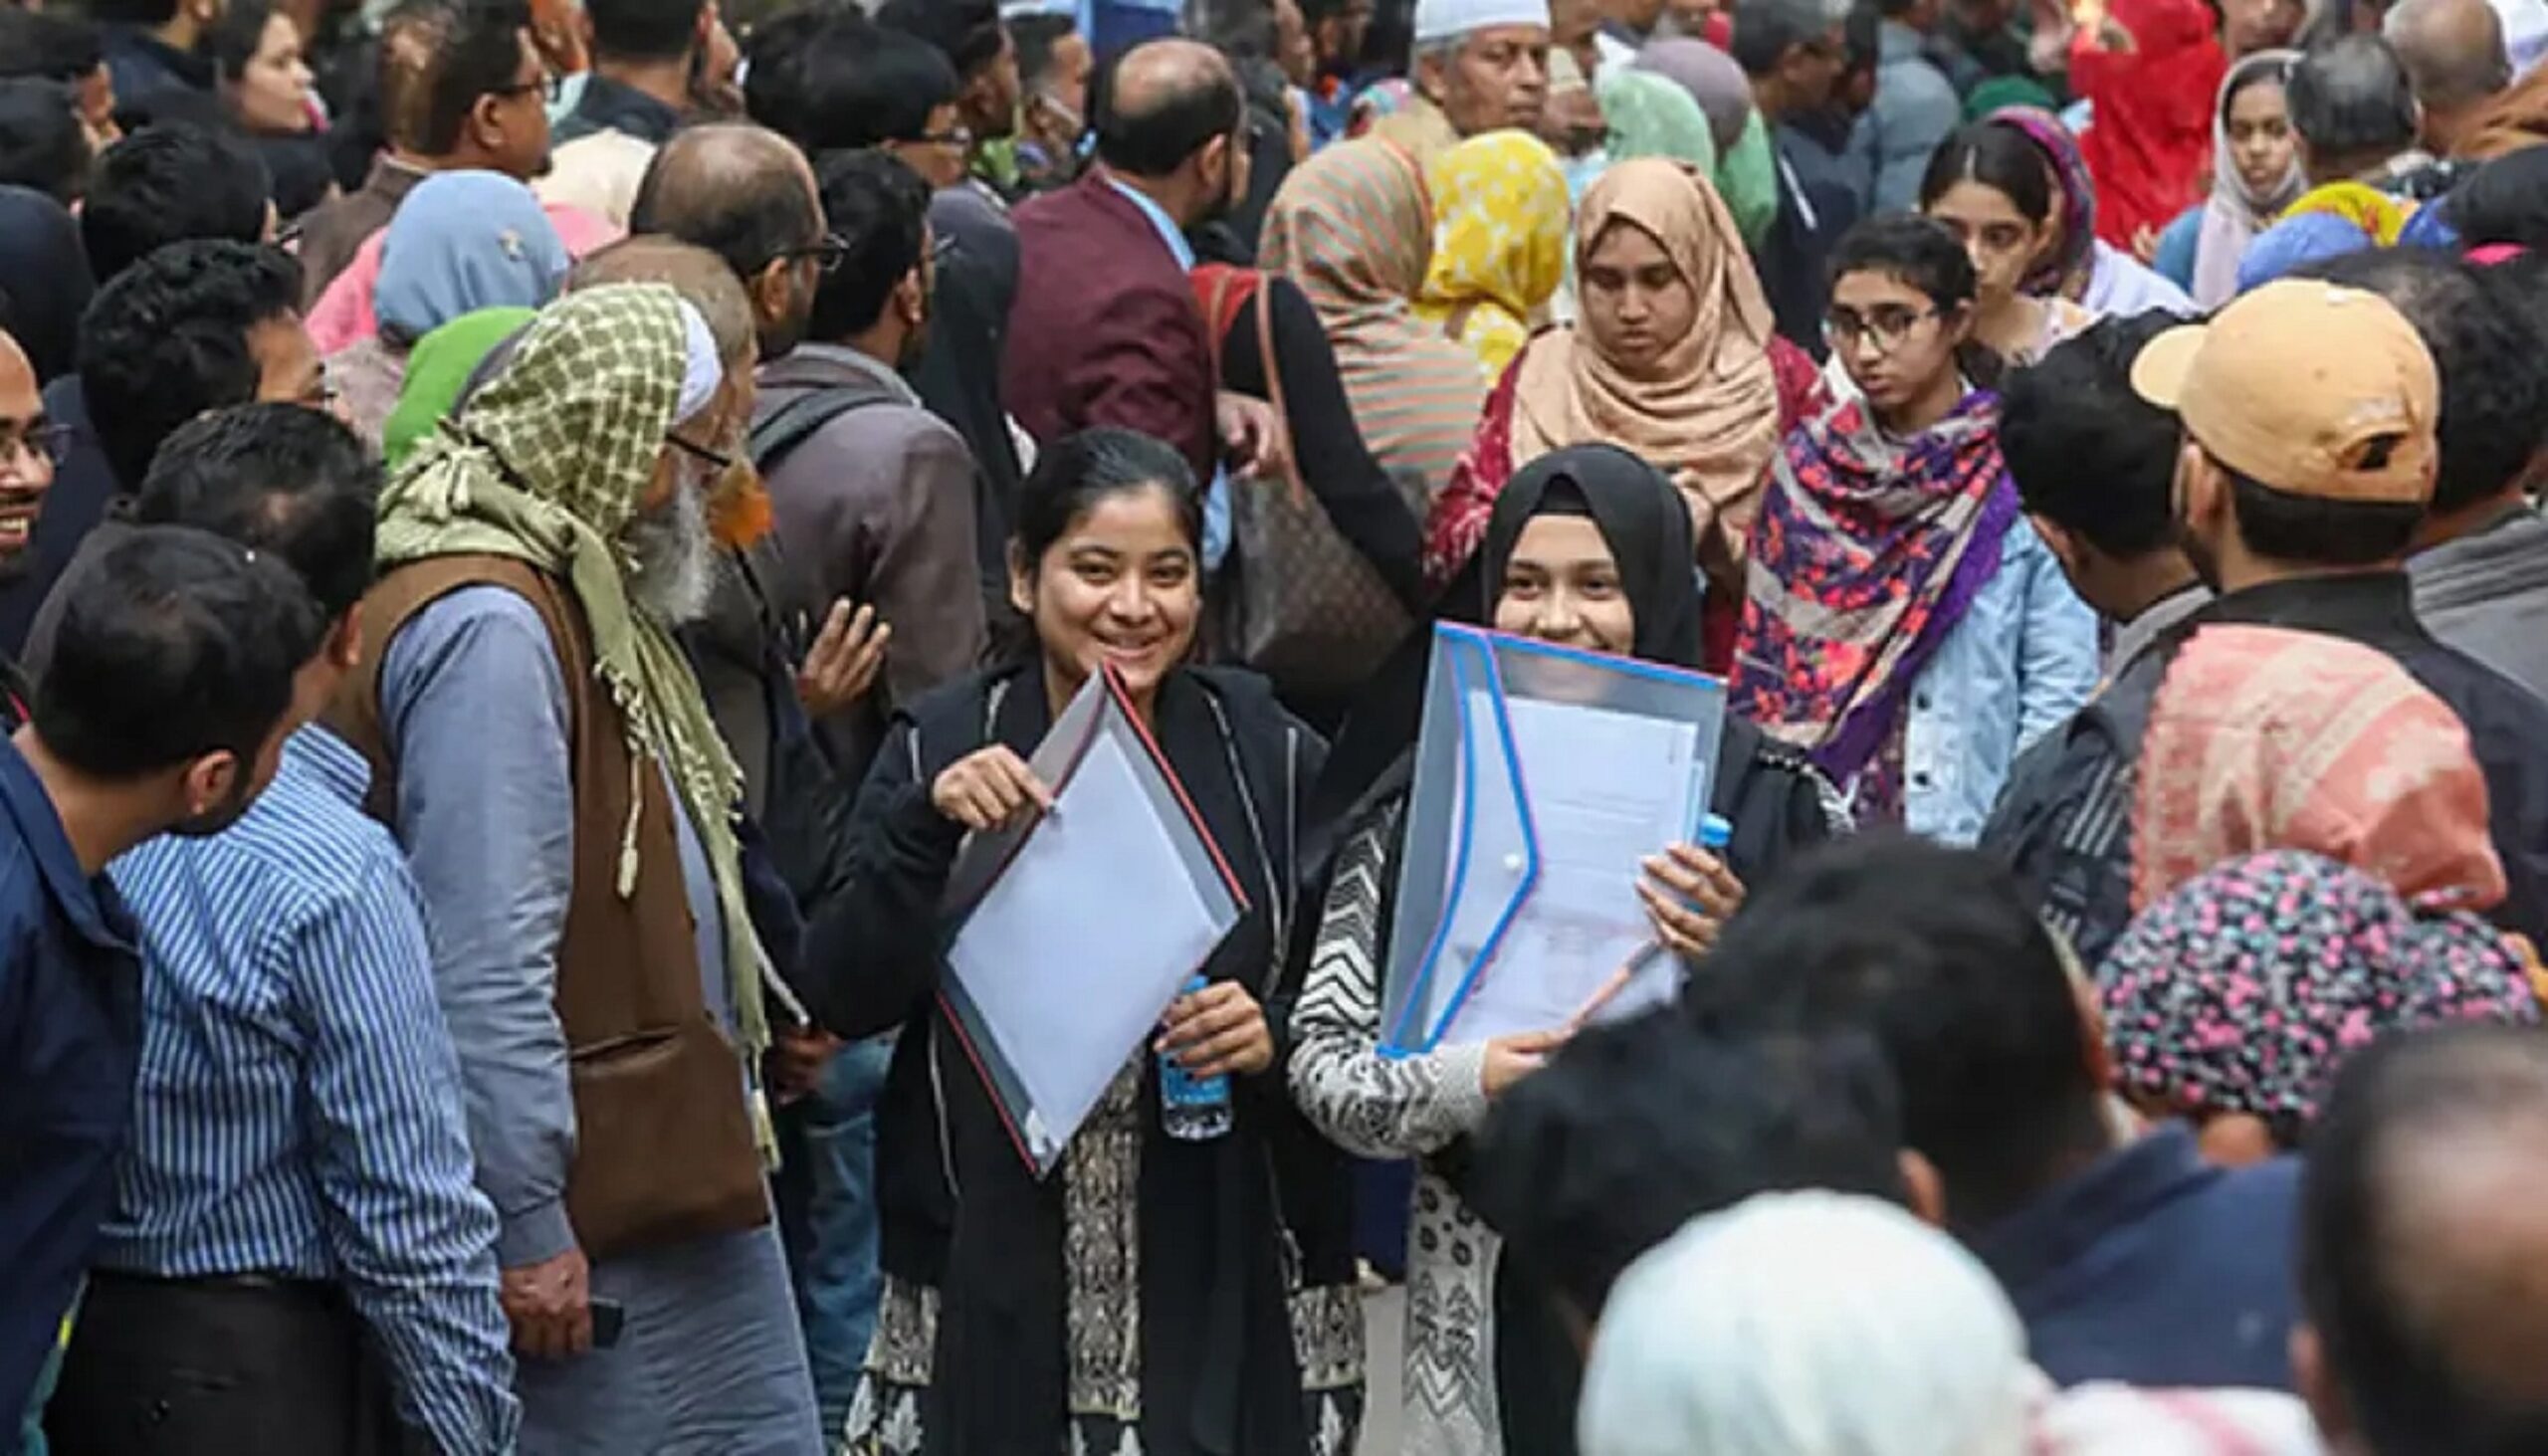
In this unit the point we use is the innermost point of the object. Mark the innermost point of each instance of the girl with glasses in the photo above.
(1903, 626)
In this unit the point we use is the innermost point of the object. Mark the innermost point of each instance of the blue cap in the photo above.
(1715, 832)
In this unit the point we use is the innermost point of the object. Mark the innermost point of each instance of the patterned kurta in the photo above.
(1398, 1107)
(1101, 1175)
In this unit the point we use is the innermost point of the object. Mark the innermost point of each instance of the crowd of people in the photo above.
(532, 535)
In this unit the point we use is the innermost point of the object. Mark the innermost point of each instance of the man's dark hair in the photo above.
(1599, 1156)
(966, 32)
(644, 30)
(2086, 452)
(171, 644)
(2350, 98)
(437, 59)
(2281, 526)
(1766, 30)
(1174, 121)
(1862, 35)
(773, 86)
(133, 12)
(279, 477)
(43, 145)
(2415, 1332)
(51, 44)
(851, 84)
(2485, 345)
(879, 210)
(167, 183)
(168, 339)
(1038, 37)
(1934, 953)
(731, 187)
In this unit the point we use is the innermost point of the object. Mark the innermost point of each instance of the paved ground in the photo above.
(1386, 1316)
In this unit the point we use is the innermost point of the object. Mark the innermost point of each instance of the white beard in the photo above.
(674, 570)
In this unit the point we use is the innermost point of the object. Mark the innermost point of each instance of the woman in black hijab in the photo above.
(1589, 547)
(44, 280)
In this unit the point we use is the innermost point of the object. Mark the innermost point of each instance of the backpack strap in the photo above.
(795, 422)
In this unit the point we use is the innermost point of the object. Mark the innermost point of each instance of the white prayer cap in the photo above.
(1807, 1323)
(1447, 20)
(701, 369)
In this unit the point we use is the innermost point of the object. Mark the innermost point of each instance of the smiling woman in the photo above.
(1152, 1283)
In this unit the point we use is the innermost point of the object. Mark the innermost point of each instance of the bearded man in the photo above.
(541, 749)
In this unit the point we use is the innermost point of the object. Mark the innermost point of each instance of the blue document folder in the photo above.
(1543, 775)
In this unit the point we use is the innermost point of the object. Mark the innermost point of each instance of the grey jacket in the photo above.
(877, 507)
(2488, 595)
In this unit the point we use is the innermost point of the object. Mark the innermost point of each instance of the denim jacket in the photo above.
(2022, 659)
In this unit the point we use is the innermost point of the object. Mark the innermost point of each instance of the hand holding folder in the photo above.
(1545, 776)
(1051, 985)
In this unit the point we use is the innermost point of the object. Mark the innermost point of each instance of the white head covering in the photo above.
(702, 371)
(2526, 24)
(1808, 1325)
(1446, 20)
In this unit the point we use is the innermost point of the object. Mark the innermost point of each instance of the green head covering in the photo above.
(438, 369)
(2007, 90)
(545, 465)
(1651, 117)
(1747, 177)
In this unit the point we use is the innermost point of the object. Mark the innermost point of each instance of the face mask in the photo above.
(1582, 171)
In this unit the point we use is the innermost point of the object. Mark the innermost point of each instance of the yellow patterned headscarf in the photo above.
(1500, 224)
(2375, 212)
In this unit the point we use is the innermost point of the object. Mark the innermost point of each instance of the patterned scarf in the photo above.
(2242, 991)
(545, 466)
(1354, 227)
(2266, 738)
(2065, 271)
(1867, 551)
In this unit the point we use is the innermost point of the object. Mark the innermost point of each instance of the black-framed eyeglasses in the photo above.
(52, 442)
(550, 87)
(956, 137)
(1887, 327)
(828, 252)
(699, 452)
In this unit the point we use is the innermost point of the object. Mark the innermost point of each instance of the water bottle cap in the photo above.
(1715, 832)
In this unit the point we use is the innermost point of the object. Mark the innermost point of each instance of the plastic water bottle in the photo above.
(1714, 833)
(1192, 1109)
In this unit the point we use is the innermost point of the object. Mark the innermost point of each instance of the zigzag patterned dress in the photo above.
(1400, 1107)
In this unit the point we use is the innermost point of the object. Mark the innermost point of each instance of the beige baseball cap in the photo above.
(2307, 388)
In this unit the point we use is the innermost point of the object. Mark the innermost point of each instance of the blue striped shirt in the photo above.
(299, 1108)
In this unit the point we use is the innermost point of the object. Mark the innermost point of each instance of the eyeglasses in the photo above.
(550, 87)
(828, 252)
(1888, 327)
(47, 442)
(699, 452)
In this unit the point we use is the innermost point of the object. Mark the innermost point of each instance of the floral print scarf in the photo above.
(1867, 551)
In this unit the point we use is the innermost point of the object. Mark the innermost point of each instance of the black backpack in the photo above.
(795, 422)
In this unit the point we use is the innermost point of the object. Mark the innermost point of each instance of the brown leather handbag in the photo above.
(1305, 608)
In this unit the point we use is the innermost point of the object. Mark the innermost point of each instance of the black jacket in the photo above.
(1216, 1334)
(2063, 824)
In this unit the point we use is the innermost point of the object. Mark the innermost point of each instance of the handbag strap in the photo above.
(1274, 391)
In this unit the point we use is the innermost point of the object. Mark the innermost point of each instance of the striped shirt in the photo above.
(300, 1109)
